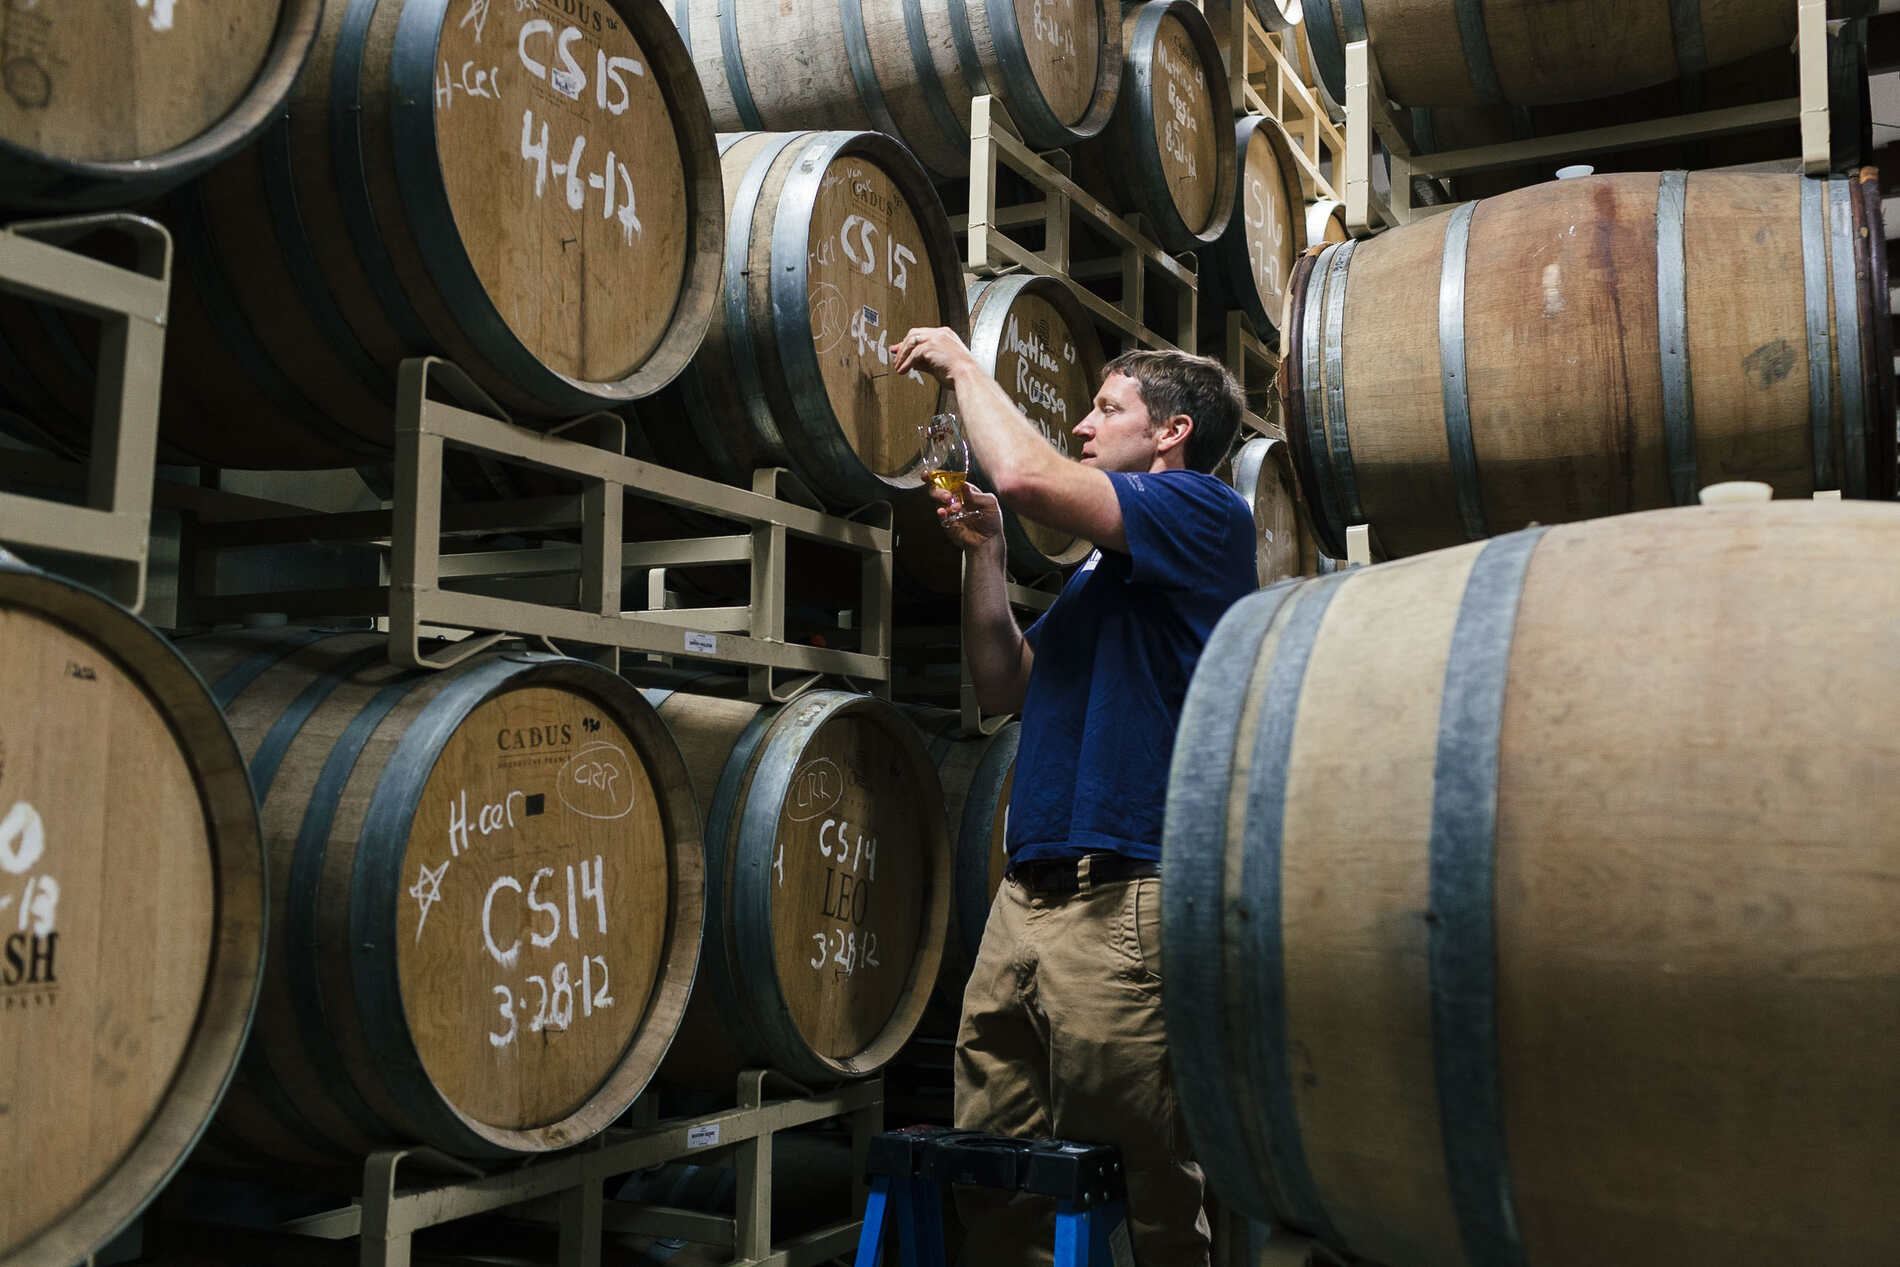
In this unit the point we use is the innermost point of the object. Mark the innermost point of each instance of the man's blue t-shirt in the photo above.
(1113, 660)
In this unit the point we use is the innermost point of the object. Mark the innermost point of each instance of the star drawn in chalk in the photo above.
(427, 890)
(478, 14)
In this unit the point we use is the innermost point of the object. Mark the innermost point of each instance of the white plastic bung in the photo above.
(1735, 492)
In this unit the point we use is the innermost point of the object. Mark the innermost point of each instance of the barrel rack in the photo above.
(112, 522)
(1368, 114)
(553, 588)
(1058, 206)
(1269, 72)
(407, 1191)
(1254, 365)
(914, 660)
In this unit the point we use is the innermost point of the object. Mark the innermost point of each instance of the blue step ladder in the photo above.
(907, 1170)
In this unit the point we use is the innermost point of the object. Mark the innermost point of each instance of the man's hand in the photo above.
(982, 521)
(936, 350)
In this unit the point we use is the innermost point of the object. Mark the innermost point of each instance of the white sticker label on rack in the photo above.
(703, 643)
(702, 1136)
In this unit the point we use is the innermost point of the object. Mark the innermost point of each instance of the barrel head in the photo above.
(854, 866)
(533, 909)
(1269, 218)
(871, 280)
(1185, 121)
(108, 907)
(564, 174)
(1049, 368)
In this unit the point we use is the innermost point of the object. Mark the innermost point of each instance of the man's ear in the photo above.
(1174, 433)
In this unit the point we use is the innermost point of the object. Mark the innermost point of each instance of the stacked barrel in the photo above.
(486, 898)
(1603, 969)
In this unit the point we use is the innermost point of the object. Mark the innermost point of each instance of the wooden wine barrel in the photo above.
(131, 914)
(1593, 346)
(1168, 152)
(977, 773)
(828, 881)
(486, 893)
(1530, 52)
(106, 104)
(532, 193)
(1248, 269)
(1325, 222)
(1608, 970)
(1284, 543)
(1036, 339)
(837, 244)
(908, 69)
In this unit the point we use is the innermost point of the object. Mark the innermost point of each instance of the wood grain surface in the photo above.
(1284, 545)
(791, 60)
(848, 902)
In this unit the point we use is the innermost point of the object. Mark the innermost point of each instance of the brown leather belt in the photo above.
(1059, 877)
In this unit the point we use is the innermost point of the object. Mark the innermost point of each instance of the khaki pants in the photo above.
(1062, 1038)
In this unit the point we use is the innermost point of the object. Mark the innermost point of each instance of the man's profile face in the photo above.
(1118, 434)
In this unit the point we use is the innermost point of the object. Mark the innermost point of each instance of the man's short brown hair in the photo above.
(1173, 383)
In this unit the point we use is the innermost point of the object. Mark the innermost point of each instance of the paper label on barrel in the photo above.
(533, 907)
(869, 282)
(849, 872)
(128, 78)
(565, 178)
(1184, 116)
(106, 905)
(1265, 217)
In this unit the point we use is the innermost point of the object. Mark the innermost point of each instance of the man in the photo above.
(1062, 1033)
